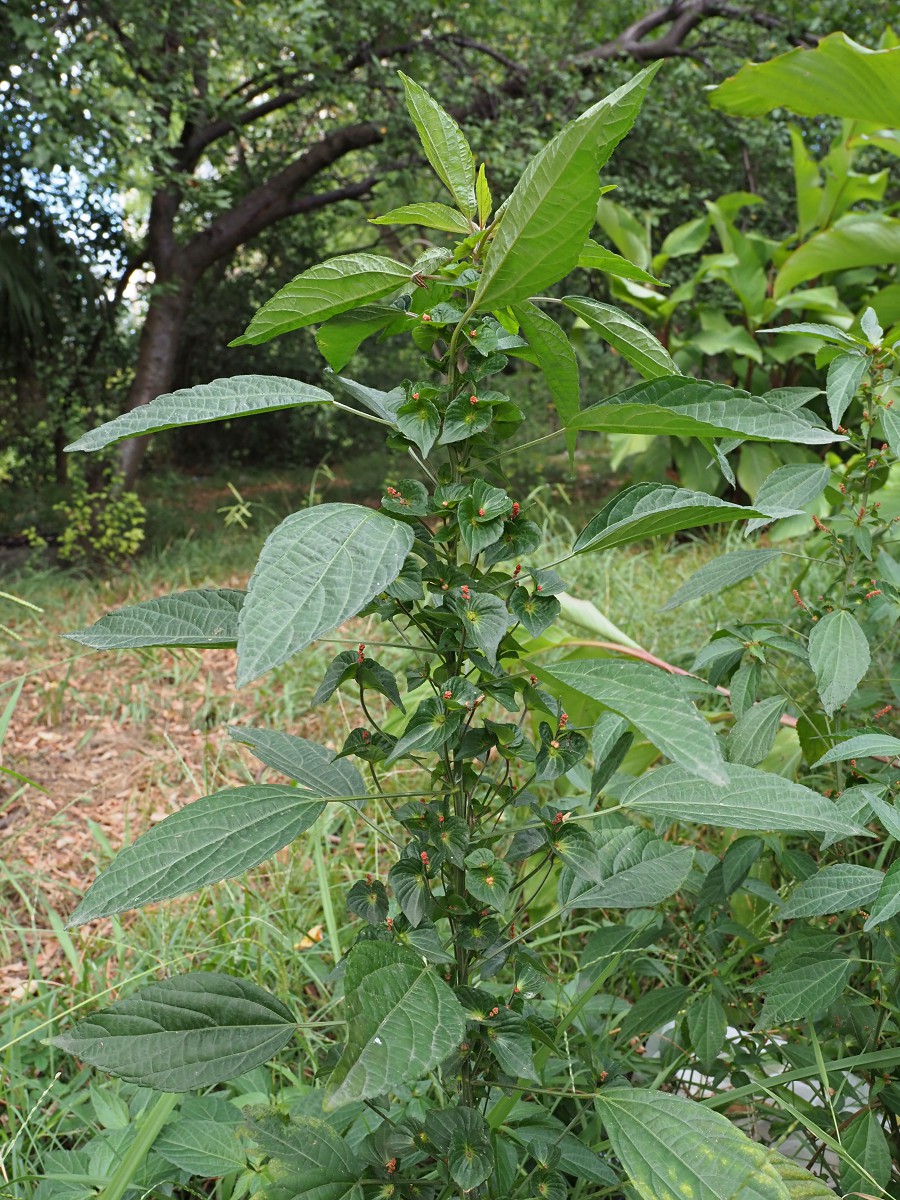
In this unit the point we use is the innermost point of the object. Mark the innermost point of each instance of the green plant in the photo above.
(482, 1054)
(100, 526)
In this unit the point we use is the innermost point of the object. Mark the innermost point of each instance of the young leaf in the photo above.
(719, 574)
(844, 376)
(629, 337)
(368, 899)
(402, 1021)
(788, 490)
(206, 617)
(410, 885)
(508, 1038)
(553, 206)
(221, 400)
(430, 216)
(483, 197)
(464, 418)
(646, 509)
(485, 620)
(752, 799)
(420, 421)
(430, 726)
(557, 361)
(834, 889)
(536, 613)
(802, 990)
(215, 838)
(839, 656)
(655, 704)
(317, 569)
(463, 1136)
(186, 1032)
(322, 292)
(684, 407)
(444, 144)
(671, 1146)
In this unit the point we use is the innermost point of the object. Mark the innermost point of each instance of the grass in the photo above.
(285, 922)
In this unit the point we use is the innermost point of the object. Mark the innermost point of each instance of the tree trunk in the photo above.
(155, 367)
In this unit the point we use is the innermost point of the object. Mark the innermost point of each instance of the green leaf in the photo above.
(340, 338)
(887, 902)
(550, 213)
(189, 1031)
(536, 613)
(508, 1038)
(489, 879)
(431, 216)
(485, 621)
(673, 1147)
(444, 144)
(483, 197)
(839, 655)
(753, 735)
(430, 726)
(867, 745)
(215, 838)
(310, 765)
(311, 1160)
(463, 419)
(719, 574)
(594, 257)
(369, 899)
(788, 490)
(557, 361)
(221, 400)
(865, 1143)
(855, 241)
(402, 1021)
(322, 292)
(317, 569)
(707, 1025)
(834, 889)
(802, 990)
(353, 664)
(655, 704)
(463, 1137)
(683, 407)
(202, 1147)
(419, 421)
(647, 509)
(752, 799)
(844, 376)
(801, 1185)
(629, 337)
(382, 404)
(206, 617)
(653, 1010)
(830, 333)
(838, 77)
(409, 881)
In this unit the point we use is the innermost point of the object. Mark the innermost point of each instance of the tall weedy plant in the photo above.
(466, 1066)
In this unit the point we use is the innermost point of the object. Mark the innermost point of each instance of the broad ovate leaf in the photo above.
(186, 1032)
(309, 1159)
(550, 213)
(673, 1147)
(628, 337)
(751, 799)
(834, 889)
(221, 400)
(215, 838)
(402, 1022)
(317, 569)
(647, 509)
(655, 704)
(324, 291)
(787, 492)
(839, 655)
(845, 373)
(206, 617)
(444, 144)
(310, 765)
